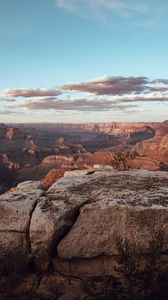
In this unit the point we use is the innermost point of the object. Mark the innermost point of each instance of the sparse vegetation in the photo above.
(121, 160)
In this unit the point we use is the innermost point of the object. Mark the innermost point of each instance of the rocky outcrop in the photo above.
(99, 234)
(52, 176)
(156, 148)
(15, 214)
(146, 163)
(57, 159)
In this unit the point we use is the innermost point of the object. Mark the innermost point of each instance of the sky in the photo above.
(77, 61)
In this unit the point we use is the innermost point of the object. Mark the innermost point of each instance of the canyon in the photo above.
(30, 151)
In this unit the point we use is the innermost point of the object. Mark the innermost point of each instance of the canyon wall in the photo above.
(33, 149)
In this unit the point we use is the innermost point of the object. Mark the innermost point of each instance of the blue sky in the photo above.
(56, 56)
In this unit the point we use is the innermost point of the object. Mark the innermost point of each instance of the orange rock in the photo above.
(52, 176)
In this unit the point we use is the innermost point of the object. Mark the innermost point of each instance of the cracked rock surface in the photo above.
(87, 231)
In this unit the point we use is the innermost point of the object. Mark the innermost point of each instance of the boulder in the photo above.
(54, 215)
(15, 214)
(16, 210)
(105, 227)
(96, 236)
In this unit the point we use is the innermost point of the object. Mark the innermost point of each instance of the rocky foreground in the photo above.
(97, 234)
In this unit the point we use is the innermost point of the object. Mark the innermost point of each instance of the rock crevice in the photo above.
(87, 235)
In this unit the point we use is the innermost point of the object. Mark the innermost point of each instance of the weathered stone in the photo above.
(103, 226)
(89, 234)
(55, 286)
(119, 213)
(87, 267)
(29, 186)
(96, 170)
(14, 252)
(68, 183)
(16, 209)
(77, 173)
(28, 285)
(15, 213)
(51, 220)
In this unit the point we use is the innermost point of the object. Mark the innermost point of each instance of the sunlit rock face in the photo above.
(155, 148)
(95, 234)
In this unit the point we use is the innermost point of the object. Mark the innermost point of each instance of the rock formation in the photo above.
(27, 146)
(57, 159)
(155, 148)
(51, 177)
(95, 234)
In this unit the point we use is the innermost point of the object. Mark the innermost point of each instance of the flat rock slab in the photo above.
(131, 188)
(129, 208)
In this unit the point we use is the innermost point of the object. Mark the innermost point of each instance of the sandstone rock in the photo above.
(108, 225)
(51, 177)
(76, 173)
(87, 267)
(16, 209)
(101, 234)
(29, 285)
(156, 148)
(55, 286)
(53, 217)
(91, 171)
(14, 252)
(145, 162)
(67, 184)
(29, 186)
(119, 214)
(15, 213)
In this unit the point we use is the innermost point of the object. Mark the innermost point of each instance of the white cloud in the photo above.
(142, 13)
(121, 7)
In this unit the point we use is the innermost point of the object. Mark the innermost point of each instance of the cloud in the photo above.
(159, 88)
(122, 89)
(7, 99)
(71, 5)
(5, 112)
(123, 7)
(145, 9)
(140, 13)
(109, 85)
(32, 92)
(164, 81)
(108, 94)
(144, 98)
(83, 105)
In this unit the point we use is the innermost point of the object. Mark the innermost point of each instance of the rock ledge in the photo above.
(99, 233)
